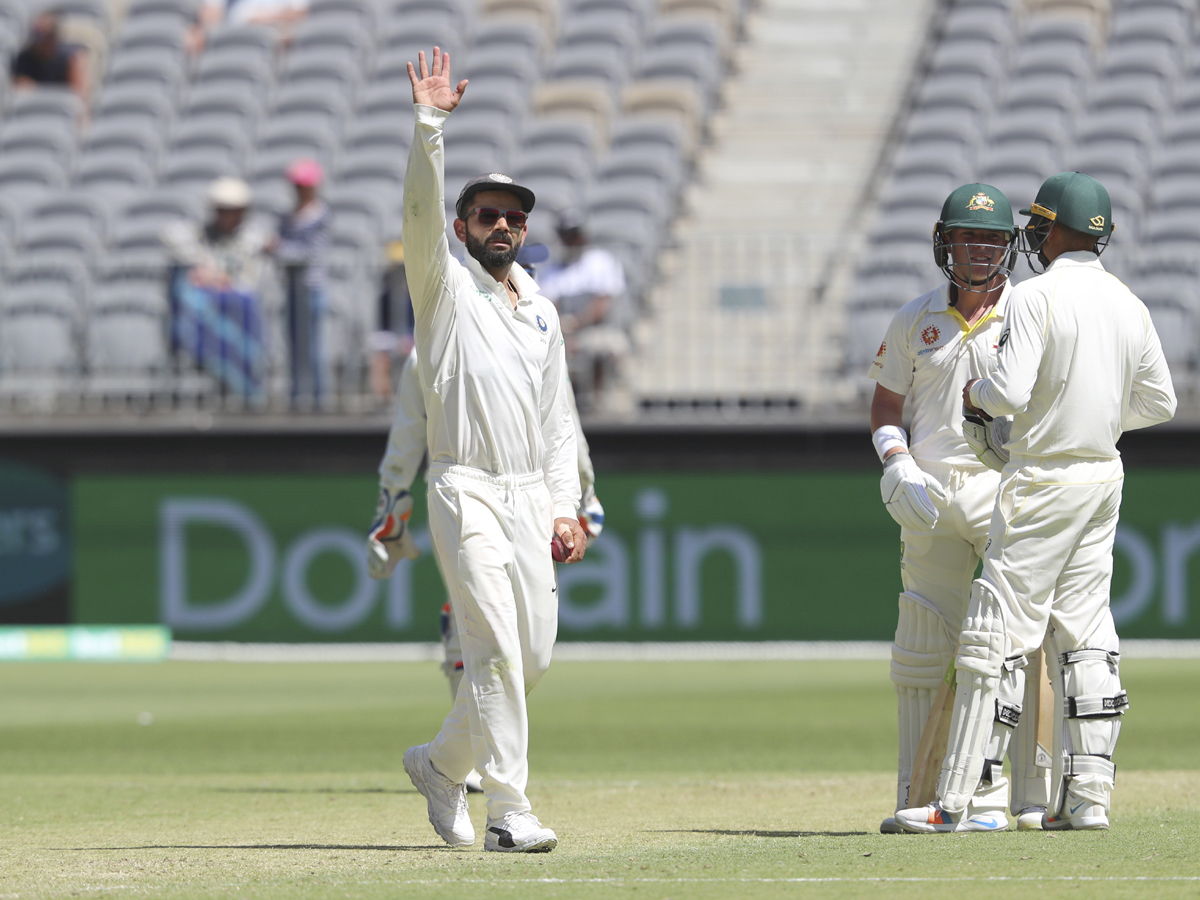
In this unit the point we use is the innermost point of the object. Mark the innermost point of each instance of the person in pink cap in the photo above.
(300, 247)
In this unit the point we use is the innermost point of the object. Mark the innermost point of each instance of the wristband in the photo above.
(888, 437)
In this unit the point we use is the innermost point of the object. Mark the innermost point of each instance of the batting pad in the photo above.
(979, 663)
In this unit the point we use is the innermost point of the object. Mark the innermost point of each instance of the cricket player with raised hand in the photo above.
(939, 491)
(502, 477)
(1079, 364)
(390, 538)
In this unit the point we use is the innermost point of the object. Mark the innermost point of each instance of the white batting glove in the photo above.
(390, 539)
(987, 437)
(591, 513)
(909, 493)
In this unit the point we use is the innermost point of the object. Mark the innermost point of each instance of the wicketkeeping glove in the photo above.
(591, 514)
(909, 493)
(390, 539)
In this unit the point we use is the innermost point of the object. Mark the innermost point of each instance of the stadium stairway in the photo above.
(737, 321)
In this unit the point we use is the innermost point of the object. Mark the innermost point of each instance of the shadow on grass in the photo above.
(279, 790)
(766, 834)
(386, 847)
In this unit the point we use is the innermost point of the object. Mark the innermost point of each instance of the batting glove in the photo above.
(591, 514)
(909, 493)
(390, 539)
(987, 437)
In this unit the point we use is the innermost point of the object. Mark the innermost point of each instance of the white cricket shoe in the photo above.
(519, 833)
(446, 800)
(932, 819)
(1030, 818)
(1077, 814)
(890, 826)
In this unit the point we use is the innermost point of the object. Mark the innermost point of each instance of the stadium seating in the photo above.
(1011, 96)
(596, 103)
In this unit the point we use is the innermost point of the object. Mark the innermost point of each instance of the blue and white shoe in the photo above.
(932, 819)
(1077, 814)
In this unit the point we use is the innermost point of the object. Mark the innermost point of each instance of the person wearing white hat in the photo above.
(220, 267)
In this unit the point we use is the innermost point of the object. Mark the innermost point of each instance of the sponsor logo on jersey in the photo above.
(931, 334)
(882, 350)
(982, 201)
(542, 324)
(1003, 339)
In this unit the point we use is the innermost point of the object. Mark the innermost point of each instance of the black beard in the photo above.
(488, 258)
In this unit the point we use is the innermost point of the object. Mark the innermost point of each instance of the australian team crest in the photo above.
(982, 201)
(542, 324)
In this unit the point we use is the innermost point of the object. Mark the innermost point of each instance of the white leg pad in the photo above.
(1093, 705)
(992, 793)
(979, 662)
(921, 655)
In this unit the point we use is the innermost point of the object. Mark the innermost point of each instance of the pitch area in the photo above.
(663, 780)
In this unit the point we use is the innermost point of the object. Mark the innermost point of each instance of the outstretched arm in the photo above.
(427, 254)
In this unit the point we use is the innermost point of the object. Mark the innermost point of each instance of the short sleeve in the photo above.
(893, 364)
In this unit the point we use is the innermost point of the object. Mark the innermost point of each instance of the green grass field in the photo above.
(663, 780)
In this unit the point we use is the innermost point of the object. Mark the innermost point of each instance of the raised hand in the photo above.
(433, 87)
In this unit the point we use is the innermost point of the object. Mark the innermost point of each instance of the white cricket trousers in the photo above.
(492, 537)
(1049, 553)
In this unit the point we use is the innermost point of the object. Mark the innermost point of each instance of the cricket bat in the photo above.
(1043, 758)
(931, 751)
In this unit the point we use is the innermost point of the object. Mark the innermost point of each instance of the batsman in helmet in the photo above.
(1079, 363)
(941, 493)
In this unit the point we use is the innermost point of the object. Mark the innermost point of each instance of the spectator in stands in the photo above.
(301, 246)
(588, 287)
(282, 15)
(46, 60)
(216, 286)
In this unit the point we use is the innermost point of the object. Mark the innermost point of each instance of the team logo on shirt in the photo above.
(931, 334)
(542, 324)
(982, 201)
(882, 350)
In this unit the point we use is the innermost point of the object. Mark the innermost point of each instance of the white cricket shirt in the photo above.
(409, 432)
(1080, 362)
(928, 354)
(494, 377)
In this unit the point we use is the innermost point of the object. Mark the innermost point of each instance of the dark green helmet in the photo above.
(1073, 199)
(984, 208)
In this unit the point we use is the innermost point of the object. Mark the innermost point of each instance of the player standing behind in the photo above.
(1079, 364)
(933, 344)
(390, 540)
(502, 478)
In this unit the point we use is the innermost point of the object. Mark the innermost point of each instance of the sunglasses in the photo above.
(488, 216)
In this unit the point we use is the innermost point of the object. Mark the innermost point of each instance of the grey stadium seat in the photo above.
(518, 37)
(486, 143)
(71, 207)
(24, 176)
(197, 169)
(300, 138)
(38, 137)
(364, 12)
(1026, 129)
(599, 29)
(321, 69)
(46, 103)
(967, 22)
(216, 103)
(1118, 132)
(448, 16)
(868, 325)
(131, 103)
(177, 12)
(127, 341)
(498, 70)
(153, 68)
(112, 171)
(346, 36)
(1112, 169)
(383, 133)
(161, 33)
(314, 101)
(914, 163)
(192, 136)
(1052, 33)
(383, 169)
(605, 65)
(140, 139)
(251, 38)
(561, 133)
(60, 240)
(384, 102)
(1181, 129)
(931, 130)
(235, 69)
(949, 95)
(1176, 327)
(633, 13)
